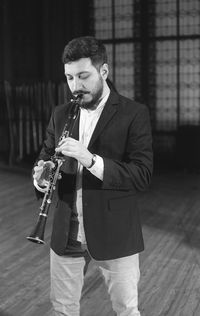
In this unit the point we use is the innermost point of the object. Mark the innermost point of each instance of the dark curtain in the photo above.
(33, 35)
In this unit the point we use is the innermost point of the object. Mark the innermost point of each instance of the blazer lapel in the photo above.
(107, 114)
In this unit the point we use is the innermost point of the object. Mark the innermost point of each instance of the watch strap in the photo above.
(94, 158)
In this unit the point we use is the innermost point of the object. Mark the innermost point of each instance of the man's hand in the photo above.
(41, 171)
(73, 148)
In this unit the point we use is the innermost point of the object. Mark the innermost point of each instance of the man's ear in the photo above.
(104, 71)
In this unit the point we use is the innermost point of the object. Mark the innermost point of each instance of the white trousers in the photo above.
(67, 278)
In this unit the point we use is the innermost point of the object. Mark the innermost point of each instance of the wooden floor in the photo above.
(170, 265)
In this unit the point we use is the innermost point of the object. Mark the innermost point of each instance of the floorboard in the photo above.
(170, 264)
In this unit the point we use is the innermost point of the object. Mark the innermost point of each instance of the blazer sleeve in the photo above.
(48, 149)
(135, 171)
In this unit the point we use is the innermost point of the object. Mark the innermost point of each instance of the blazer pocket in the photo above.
(122, 203)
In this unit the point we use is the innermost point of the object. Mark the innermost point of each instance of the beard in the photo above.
(95, 95)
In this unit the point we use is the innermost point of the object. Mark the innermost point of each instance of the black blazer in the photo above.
(123, 139)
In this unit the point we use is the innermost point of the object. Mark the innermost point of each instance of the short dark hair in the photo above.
(85, 47)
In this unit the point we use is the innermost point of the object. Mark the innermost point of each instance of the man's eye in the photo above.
(83, 76)
(69, 78)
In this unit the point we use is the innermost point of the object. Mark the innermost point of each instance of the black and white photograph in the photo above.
(100, 158)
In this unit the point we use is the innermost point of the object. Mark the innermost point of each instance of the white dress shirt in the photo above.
(88, 121)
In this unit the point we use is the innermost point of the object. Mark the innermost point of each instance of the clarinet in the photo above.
(37, 235)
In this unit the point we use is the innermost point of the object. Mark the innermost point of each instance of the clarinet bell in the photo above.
(37, 235)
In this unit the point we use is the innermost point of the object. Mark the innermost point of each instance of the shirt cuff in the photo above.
(98, 168)
(39, 188)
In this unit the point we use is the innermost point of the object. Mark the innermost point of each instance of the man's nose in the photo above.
(77, 84)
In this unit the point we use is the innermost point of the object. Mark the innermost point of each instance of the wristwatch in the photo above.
(94, 158)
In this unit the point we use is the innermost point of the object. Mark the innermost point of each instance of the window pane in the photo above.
(189, 82)
(166, 81)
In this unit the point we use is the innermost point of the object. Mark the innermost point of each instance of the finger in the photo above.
(68, 140)
(37, 175)
(62, 147)
(49, 164)
(67, 153)
(64, 140)
(58, 149)
(38, 168)
(37, 172)
(40, 163)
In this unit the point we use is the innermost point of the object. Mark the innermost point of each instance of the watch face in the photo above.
(94, 158)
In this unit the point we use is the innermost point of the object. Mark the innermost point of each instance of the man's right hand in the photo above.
(41, 172)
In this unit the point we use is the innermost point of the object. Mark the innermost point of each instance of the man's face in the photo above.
(84, 78)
